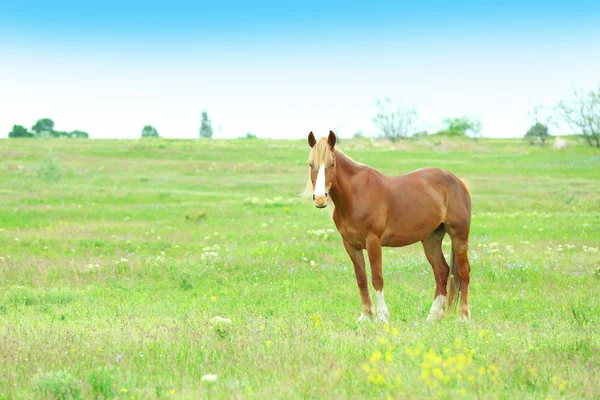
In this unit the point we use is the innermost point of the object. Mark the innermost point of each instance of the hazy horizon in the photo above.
(280, 71)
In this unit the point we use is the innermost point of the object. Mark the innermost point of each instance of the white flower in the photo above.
(208, 378)
(220, 320)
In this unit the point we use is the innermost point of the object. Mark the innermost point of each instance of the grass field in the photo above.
(116, 255)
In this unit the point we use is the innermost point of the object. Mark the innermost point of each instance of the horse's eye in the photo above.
(311, 165)
(332, 165)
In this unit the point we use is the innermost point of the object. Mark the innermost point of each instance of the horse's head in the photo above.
(322, 167)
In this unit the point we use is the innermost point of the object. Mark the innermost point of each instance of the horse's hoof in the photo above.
(363, 319)
(464, 318)
(382, 316)
(434, 316)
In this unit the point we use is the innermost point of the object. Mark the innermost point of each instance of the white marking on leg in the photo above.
(437, 308)
(320, 184)
(465, 314)
(382, 310)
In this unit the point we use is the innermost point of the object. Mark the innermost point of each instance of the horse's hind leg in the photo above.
(432, 245)
(460, 246)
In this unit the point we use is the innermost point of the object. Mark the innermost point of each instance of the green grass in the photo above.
(116, 255)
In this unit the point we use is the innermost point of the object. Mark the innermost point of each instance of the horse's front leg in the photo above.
(358, 260)
(374, 250)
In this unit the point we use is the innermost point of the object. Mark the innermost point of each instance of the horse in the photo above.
(372, 210)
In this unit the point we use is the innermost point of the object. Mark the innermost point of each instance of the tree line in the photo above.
(44, 128)
(579, 113)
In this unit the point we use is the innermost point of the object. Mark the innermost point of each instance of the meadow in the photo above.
(116, 256)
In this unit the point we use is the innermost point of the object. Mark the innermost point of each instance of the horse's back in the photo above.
(449, 192)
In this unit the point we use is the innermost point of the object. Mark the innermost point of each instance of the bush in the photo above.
(537, 134)
(19, 131)
(50, 170)
(454, 133)
(57, 385)
(149, 132)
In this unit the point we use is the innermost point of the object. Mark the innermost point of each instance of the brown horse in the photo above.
(373, 210)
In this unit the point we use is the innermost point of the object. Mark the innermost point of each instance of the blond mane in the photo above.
(321, 153)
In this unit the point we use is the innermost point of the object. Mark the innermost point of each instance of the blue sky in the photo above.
(282, 69)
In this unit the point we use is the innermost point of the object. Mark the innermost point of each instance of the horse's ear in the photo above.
(331, 139)
(311, 139)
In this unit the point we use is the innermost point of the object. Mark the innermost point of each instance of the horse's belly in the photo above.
(399, 240)
(404, 235)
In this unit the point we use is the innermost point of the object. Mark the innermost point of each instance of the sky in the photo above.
(281, 69)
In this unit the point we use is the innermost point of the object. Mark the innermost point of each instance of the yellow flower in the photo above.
(172, 391)
(395, 331)
(533, 371)
(375, 357)
(213, 299)
(388, 356)
(124, 390)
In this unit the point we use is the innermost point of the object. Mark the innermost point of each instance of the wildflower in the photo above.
(221, 325)
(316, 320)
(213, 298)
(208, 378)
(375, 357)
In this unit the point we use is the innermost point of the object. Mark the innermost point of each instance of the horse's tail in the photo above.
(453, 288)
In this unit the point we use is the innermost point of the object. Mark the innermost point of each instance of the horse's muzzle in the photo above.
(320, 200)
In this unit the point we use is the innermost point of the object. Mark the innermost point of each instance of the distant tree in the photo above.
(68, 135)
(43, 127)
(463, 126)
(581, 112)
(206, 130)
(250, 136)
(394, 121)
(359, 134)
(537, 134)
(420, 134)
(59, 134)
(149, 132)
(79, 134)
(19, 131)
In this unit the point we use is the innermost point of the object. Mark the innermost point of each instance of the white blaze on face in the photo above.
(320, 184)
